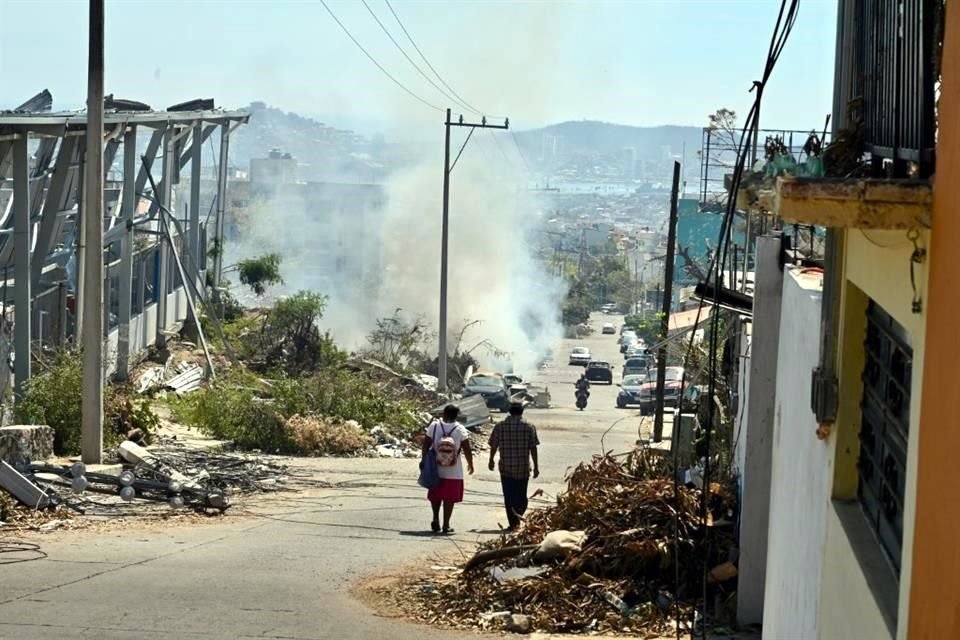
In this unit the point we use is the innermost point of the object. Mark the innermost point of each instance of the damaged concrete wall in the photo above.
(755, 437)
(22, 444)
(801, 472)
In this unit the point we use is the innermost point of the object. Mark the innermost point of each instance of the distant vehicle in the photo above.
(630, 390)
(608, 328)
(671, 390)
(580, 356)
(627, 335)
(609, 308)
(636, 365)
(492, 386)
(638, 350)
(599, 371)
(627, 342)
(515, 383)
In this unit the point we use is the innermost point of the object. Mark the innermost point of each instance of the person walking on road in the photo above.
(516, 440)
(448, 438)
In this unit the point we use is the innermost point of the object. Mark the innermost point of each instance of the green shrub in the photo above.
(235, 412)
(54, 397)
(254, 415)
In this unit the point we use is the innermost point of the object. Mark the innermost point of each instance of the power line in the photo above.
(374, 60)
(442, 81)
(502, 152)
(415, 65)
(516, 143)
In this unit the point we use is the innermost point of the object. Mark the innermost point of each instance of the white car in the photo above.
(580, 356)
(608, 328)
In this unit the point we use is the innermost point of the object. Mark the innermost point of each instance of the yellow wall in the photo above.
(877, 266)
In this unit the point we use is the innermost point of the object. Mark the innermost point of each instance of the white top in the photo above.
(459, 433)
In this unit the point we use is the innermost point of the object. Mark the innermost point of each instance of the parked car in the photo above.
(514, 383)
(671, 390)
(609, 308)
(580, 356)
(599, 371)
(492, 386)
(635, 365)
(627, 342)
(608, 328)
(630, 390)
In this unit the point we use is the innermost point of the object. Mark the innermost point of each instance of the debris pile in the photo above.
(421, 389)
(171, 477)
(607, 557)
(180, 379)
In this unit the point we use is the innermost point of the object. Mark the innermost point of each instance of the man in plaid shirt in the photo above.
(516, 440)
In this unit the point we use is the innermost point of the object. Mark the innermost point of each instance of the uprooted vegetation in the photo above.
(325, 412)
(54, 395)
(297, 392)
(623, 550)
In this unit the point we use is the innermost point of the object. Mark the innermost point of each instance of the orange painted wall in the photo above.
(935, 583)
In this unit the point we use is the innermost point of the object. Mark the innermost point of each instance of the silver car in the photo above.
(580, 356)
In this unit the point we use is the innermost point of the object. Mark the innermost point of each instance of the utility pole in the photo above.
(444, 229)
(667, 299)
(92, 338)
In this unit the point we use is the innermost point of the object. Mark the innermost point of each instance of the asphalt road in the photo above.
(282, 567)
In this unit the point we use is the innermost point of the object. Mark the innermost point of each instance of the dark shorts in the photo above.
(447, 490)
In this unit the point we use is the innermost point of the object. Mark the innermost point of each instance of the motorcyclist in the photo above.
(583, 384)
(582, 392)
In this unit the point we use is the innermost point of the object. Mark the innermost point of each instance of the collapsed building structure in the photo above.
(155, 245)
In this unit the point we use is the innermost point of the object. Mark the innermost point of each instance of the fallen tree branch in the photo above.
(497, 554)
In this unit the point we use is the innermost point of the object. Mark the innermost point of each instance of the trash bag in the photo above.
(429, 470)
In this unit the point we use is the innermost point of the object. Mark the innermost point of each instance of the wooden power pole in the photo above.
(444, 230)
(667, 299)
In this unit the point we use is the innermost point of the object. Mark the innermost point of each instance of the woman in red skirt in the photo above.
(448, 437)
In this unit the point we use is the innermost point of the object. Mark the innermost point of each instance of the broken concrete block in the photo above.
(25, 443)
(519, 623)
(21, 488)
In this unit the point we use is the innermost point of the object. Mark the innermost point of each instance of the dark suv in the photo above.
(598, 371)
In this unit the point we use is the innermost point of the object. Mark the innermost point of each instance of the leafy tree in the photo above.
(258, 273)
(395, 340)
(290, 339)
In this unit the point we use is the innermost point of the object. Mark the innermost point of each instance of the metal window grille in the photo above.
(884, 429)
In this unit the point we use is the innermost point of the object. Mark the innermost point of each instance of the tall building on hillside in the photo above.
(276, 169)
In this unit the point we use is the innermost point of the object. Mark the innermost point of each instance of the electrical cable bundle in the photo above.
(786, 19)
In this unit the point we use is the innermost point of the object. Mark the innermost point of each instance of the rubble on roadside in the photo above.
(182, 378)
(603, 559)
(169, 478)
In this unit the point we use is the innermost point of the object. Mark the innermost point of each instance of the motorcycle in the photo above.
(582, 395)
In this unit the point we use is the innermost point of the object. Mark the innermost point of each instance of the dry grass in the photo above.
(320, 436)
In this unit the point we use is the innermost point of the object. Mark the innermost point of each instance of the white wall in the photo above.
(754, 450)
(801, 473)
(743, 396)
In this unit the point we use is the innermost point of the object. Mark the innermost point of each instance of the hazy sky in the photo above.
(634, 62)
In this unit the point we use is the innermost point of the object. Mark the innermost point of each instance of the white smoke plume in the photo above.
(494, 276)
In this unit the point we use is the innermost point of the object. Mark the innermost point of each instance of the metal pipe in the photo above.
(124, 293)
(92, 423)
(221, 201)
